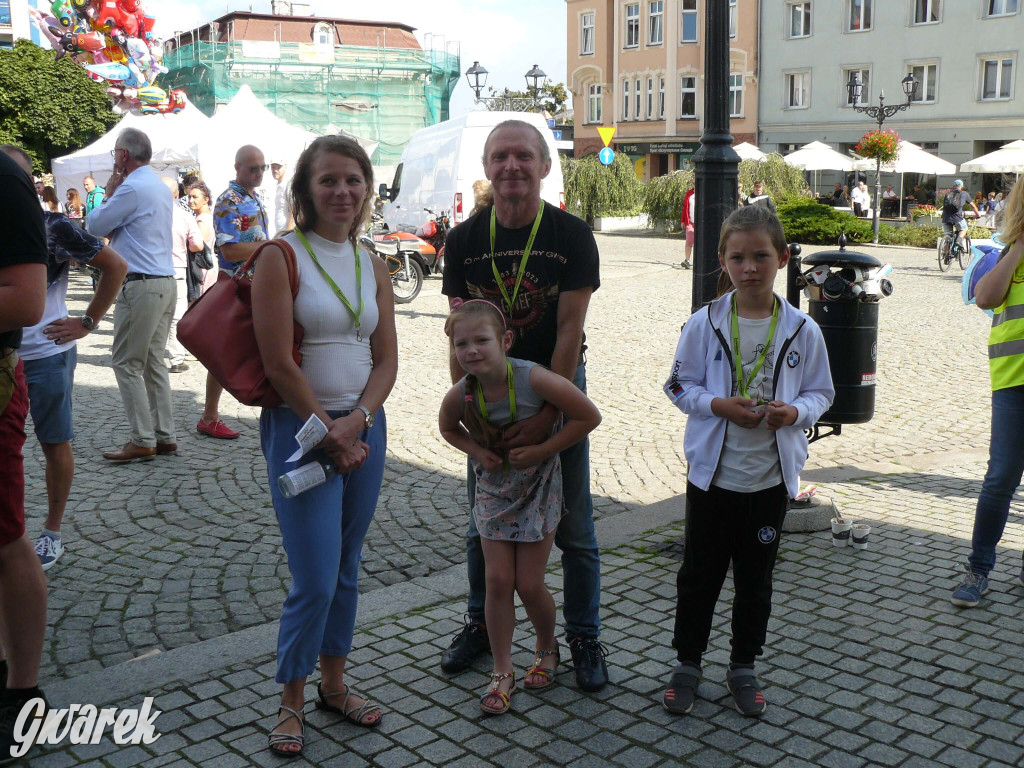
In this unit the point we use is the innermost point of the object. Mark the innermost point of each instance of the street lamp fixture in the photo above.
(476, 76)
(879, 114)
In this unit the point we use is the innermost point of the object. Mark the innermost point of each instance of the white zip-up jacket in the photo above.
(703, 370)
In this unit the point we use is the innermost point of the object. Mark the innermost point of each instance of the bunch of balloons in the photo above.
(113, 40)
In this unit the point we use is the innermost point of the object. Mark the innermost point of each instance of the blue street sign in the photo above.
(551, 122)
(557, 134)
(606, 156)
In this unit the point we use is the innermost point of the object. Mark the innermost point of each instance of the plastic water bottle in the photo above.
(307, 476)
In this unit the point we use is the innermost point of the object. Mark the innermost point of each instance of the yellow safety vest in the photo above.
(1006, 339)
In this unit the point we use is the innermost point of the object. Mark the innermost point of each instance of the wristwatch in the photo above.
(367, 414)
(88, 323)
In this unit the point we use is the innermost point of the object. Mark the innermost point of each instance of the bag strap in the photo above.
(289, 260)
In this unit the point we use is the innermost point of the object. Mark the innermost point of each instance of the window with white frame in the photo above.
(633, 25)
(594, 103)
(661, 98)
(1001, 7)
(926, 11)
(799, 16)
(637, 96)
(863, 74)
(323, 34)
(625, 99)
(735, 95)
(587, 34)
(926, 75)
(688, 96)
(996, 77)
(858, 17)
(650, 98)
(798, 89)
(733, 22)
(656, 22)
(688, 31)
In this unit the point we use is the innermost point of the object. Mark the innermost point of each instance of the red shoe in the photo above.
(216, 429)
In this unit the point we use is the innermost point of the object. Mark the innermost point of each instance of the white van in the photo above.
(441, 162)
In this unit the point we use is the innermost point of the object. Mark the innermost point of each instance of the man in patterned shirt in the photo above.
(240, 221)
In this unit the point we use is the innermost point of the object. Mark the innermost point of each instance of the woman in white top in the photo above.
(349, 364)
(199, 203)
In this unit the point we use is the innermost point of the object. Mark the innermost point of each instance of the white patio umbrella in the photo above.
(748, 151)
(817, 156)
(1007, 159)
(912, 159)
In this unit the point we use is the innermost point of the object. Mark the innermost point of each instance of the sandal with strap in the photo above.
(495, 690)
(355, 715)
(547, 675)
(279, 743)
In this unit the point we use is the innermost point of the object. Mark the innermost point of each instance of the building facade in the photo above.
(371, 79)
(638, 65)
(963, 53)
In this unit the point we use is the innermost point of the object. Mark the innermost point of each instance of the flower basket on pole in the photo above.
(882, 146)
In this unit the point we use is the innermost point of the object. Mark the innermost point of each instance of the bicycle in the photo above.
(949, 249)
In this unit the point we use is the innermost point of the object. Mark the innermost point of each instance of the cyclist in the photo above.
(953, 214)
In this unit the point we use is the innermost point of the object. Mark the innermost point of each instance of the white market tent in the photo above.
(912, 159)
(1007, 159)
(748, 151)
(175, 141)
(818, 156)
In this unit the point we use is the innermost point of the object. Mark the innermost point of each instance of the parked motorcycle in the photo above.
(403, 266)
(426, 243)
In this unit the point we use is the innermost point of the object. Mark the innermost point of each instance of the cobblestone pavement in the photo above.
(867, 661)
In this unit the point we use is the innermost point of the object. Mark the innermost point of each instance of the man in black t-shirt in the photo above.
(547, 313)
(22, 584)
(953, 212)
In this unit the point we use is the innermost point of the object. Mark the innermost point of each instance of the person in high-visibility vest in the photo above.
(1001, 290)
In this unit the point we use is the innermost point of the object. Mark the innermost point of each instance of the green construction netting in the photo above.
(383, 94)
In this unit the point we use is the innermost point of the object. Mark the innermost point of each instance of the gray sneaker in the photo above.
(49, 550)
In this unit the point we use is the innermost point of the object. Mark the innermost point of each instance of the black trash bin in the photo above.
(850, 328)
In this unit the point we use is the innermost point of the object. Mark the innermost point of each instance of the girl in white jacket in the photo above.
(751, 372)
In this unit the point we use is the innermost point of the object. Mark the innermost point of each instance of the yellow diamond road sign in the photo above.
(606, 133)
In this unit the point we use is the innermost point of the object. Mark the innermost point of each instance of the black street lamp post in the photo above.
(716, 164)
(476, 76)
(879, 114)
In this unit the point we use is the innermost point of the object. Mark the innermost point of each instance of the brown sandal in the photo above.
(494, 689)
(548, 675)
(354, 714)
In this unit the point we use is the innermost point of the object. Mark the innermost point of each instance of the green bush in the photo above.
(922, 236)
(663, 197)
(811, 223)
(592, 189)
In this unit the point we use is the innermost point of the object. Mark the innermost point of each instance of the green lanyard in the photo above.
(344, 299)
(511, 395)
(522, 264)
(743, 382)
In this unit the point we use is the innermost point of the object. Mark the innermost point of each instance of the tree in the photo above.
(552, 97)
(48, 106)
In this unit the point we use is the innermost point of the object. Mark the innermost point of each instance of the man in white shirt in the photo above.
(137, 216)
(890, 202)
(185, 237)
(861, 199)
(282, 210)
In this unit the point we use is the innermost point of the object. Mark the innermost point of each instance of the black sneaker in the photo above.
(682, 689)
(588, 658)
(746, 691)
(465, 647)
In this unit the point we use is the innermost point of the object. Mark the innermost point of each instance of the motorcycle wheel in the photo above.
(405, 285)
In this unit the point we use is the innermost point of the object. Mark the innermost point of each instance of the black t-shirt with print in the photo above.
(21, 222)
(563, 258)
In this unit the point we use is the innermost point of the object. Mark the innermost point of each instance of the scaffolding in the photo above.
(383, 94)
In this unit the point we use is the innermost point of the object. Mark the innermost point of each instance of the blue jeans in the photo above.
(1005, 469)
(581, 557)
(322, 531)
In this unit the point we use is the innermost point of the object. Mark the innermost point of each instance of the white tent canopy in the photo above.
(1007, 159)
(912, 159)
(175, 140)
(817, 156)
(748, 151)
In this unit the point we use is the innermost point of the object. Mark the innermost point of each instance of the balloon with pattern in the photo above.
(113, 41)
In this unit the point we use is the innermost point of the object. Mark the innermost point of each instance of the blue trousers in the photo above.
(581, 557)
(322, 531)
(1005, 469)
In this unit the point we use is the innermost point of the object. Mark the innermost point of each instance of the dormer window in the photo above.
(323, 34)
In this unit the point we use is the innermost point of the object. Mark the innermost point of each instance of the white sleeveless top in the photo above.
(333, 361)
